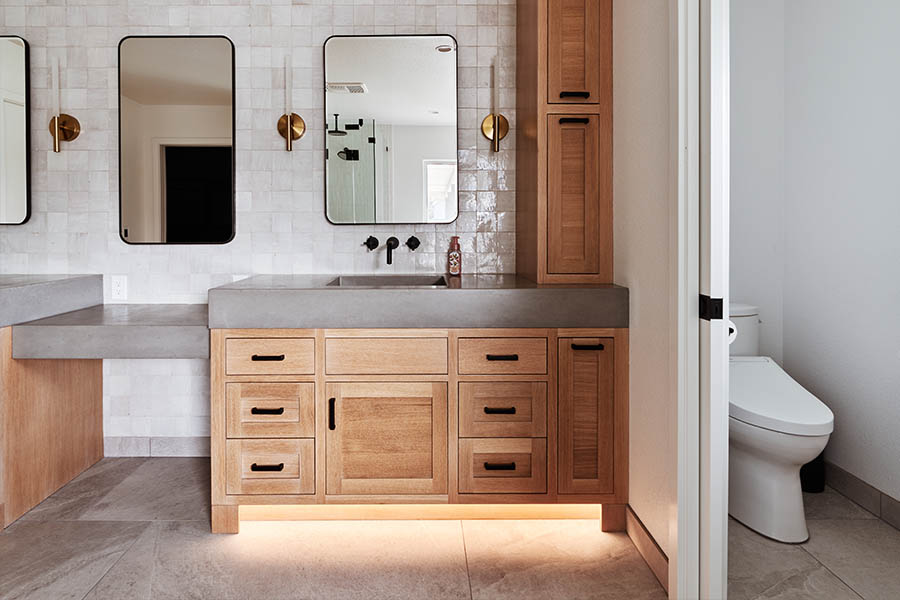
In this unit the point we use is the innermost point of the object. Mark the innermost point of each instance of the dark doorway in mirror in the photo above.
(197, 199)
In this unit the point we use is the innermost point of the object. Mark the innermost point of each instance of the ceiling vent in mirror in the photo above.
(349, 87)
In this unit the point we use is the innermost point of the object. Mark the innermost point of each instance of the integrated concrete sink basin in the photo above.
(389, 281)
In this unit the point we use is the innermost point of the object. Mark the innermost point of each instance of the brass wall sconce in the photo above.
(62, 127)
(495, 126)
(291, 126)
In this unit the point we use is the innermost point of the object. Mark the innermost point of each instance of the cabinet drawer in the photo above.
(270, 356)
(503, 409)
(271, 410)
(270, 466)
(386, 356)
(503, 466)
(502, 356)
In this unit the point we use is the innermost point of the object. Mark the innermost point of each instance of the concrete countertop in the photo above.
(312, 301)
(29, 297)
(117, 331)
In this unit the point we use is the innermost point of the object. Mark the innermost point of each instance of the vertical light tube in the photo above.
(55, 102)
(288, 99)
(495, 96)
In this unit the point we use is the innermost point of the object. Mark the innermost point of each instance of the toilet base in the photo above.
(764, 479)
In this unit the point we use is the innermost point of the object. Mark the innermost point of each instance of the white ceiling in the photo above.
(407, 78)
(192, 70)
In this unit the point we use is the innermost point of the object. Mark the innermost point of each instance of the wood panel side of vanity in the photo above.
(51, 426)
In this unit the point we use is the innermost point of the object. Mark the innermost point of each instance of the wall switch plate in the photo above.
(119, 285)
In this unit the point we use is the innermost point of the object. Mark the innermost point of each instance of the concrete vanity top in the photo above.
(314, 301)
(28, 297)
(117, 331)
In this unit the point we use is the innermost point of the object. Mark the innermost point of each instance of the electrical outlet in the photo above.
(119, 287)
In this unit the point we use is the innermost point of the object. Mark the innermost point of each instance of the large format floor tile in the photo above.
(756, 563)
(337, 559)
(817, 584)
(831, 505)
(62, 559)
(554, 559)
(159, 489)
(864, 554)
(83, 492)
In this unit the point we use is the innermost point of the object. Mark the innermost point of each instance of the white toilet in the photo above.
(775, 427)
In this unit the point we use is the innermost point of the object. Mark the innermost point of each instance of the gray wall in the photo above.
(841, 214)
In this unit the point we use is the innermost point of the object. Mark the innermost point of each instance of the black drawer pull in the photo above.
(506, 410)
(574, 94)
(511, 357)
(331, 423)
(256, 467)
(510, 466)
(267, 357)
(266, 411)
(581, 120)
(587, 346)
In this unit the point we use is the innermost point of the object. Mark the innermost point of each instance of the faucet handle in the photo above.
(371, 243)
(413, 242)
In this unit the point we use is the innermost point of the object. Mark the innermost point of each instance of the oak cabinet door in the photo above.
(579, 57)
(386, 438)
(577, 198)
(586, 415)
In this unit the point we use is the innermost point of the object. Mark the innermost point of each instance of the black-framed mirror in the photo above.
(391, 135)
(176, 140)
(15, 131)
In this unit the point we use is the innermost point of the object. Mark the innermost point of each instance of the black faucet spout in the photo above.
(392, 244)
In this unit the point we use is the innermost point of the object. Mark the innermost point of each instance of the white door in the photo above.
(713, 282)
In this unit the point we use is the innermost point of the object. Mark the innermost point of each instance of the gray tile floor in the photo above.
(139, 528)
(850, 555)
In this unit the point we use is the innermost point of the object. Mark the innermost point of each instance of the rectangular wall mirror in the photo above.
(176, 140)
(390, 143)
(15, 188)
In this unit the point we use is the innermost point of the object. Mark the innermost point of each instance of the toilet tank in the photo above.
(745, 320)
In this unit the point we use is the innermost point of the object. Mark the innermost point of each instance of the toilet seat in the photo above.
(763, 395)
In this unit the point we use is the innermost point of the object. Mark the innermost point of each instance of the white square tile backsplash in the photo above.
(281, 227)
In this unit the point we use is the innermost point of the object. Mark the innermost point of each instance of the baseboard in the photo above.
(653, 555)
(884, 506)
(156, 446)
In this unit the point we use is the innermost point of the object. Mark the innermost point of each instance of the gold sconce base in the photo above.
(489, 124)
(63, 128)
(298, 128)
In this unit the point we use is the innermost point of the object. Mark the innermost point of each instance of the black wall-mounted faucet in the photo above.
(392, 244)
(371, 243)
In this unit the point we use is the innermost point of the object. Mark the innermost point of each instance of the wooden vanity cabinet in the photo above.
(415, 416)
(564, 217)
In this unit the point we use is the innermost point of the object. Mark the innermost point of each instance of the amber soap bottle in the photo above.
(454, 257)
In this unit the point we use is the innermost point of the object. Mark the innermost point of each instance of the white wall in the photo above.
(841, 290)
(644, 255)
(757, 164)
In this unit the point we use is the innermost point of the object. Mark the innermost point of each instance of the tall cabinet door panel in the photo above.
(573, 195)
(579, 49)
(386, 438)
(586, 415)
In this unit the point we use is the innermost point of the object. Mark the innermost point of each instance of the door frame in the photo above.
(698, 568)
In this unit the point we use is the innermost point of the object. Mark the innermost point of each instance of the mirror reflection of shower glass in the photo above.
(14, 176)
(176, 132)
(390, 144)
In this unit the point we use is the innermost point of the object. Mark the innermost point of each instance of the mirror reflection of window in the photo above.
(14, 202)
(176, 98)
(390, 102)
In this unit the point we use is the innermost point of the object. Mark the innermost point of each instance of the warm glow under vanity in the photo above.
(426, 422)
